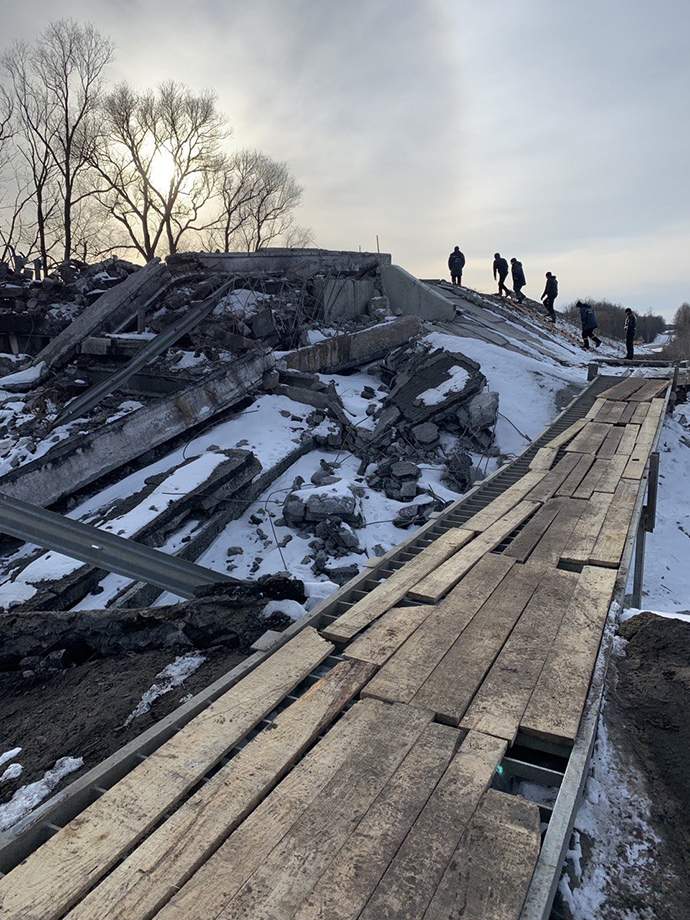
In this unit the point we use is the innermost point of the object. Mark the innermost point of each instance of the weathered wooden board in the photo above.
(597, 408)
(500, 702)
(339, 757)
(603, 476)
(628, 413)
(403, 675)
(345, 888)
(612, 412)
(590, 439)
(568, 434)
(148, 878)
(450, 688)
(396, 586)
(645, 439)
(413, 876)
(432, 588)
(506, 501)
(550, 548)
(556, 705)
(491, 870)
(610, 543)
(60, 872)
(650, 389)
(640, 413)
(522, 545)
(627, 442)
(544, 458)
(580, 544)
(575, 477)
(288, 874)
(554, 479)
(625, 388)
(611, 444)
(384, 637)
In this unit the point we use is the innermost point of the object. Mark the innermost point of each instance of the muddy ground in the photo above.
(81, 710)
(647, 715)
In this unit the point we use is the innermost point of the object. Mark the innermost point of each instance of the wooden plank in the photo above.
(404, 674)
(147, 879)
(413, 876)
(522, 545)
(500, 703)
(590, 439)
(627, 442)
(640, 413)
(550, 548)
(506, 501)
(627, 415)
(387, 634)
(651, 389)
(640, 453)
(432, 588)
(345, 888)
(544, 458)
(491, 870)
(583, 538)
(568, 434)
(555, 478)
(610, 412)
(597, 408)
(608, 549)
(556, 705)
(604, 476)
(396, 586)
(60, 872)
(346, 745)
(450, 688)
(611, 443)
(286, 876)
(575, 477)
(625, 388)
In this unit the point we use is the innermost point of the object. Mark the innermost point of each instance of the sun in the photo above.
(162, 169)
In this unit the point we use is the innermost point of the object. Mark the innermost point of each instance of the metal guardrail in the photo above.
(102, 549)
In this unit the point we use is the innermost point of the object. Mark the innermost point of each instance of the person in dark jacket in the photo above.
(630, 326)
(589, 324)
(456, 263)
(501, 273)
(518, 279)
(550, 294)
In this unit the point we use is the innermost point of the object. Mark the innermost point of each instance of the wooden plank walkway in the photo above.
(370, 795)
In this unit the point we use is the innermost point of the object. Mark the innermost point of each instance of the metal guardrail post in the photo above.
(638, 572)
(652, 491)
(592, 370)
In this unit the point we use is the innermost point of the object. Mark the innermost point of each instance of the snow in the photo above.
(170, 677)
(292, 609)
(14, 771)
(455, 384)
(29, 797)
(27, 376)
(9, 755)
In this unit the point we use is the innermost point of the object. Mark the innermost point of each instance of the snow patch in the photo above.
(28, 797)
(170, 677)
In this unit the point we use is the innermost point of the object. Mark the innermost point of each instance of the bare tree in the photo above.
(258, 199)
(58, 82)
(161, 162)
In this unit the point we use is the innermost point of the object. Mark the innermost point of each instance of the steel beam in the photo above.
(102, 549)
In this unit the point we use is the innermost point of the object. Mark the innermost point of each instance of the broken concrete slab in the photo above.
(81, 460)
(301, 263)
(410, 297)
(350, 350)
(344, 298)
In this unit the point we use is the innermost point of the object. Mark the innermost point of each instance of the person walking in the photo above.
(456, 263)
(550, 294)
(630, 326)
(589, 324)
(501, 273)
(518, 279)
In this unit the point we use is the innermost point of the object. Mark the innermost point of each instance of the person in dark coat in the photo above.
(456, 263)
(589, 324)
(518, 279)
(550, 294)
(501, 273)
(630, 326)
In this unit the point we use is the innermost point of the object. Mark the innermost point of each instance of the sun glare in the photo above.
(162, 169)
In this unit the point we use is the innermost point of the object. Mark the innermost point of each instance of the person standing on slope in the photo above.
(630, 326)
(550, 294)
(456, 263)
(518, 279)
(501, 273)
(589, 324)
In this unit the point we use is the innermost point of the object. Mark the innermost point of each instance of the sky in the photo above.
(549, 130)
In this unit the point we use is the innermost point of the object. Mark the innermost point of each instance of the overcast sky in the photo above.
(550, 130)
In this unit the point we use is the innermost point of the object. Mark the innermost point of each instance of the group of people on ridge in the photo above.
(456, 263)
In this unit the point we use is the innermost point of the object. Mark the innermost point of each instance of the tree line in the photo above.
(678, 348)
(611, 320)
(88, 169)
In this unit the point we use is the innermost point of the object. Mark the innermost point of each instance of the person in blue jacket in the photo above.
(589, 324)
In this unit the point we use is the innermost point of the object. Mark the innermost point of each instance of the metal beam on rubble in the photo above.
(82, 404)
(102, 549)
